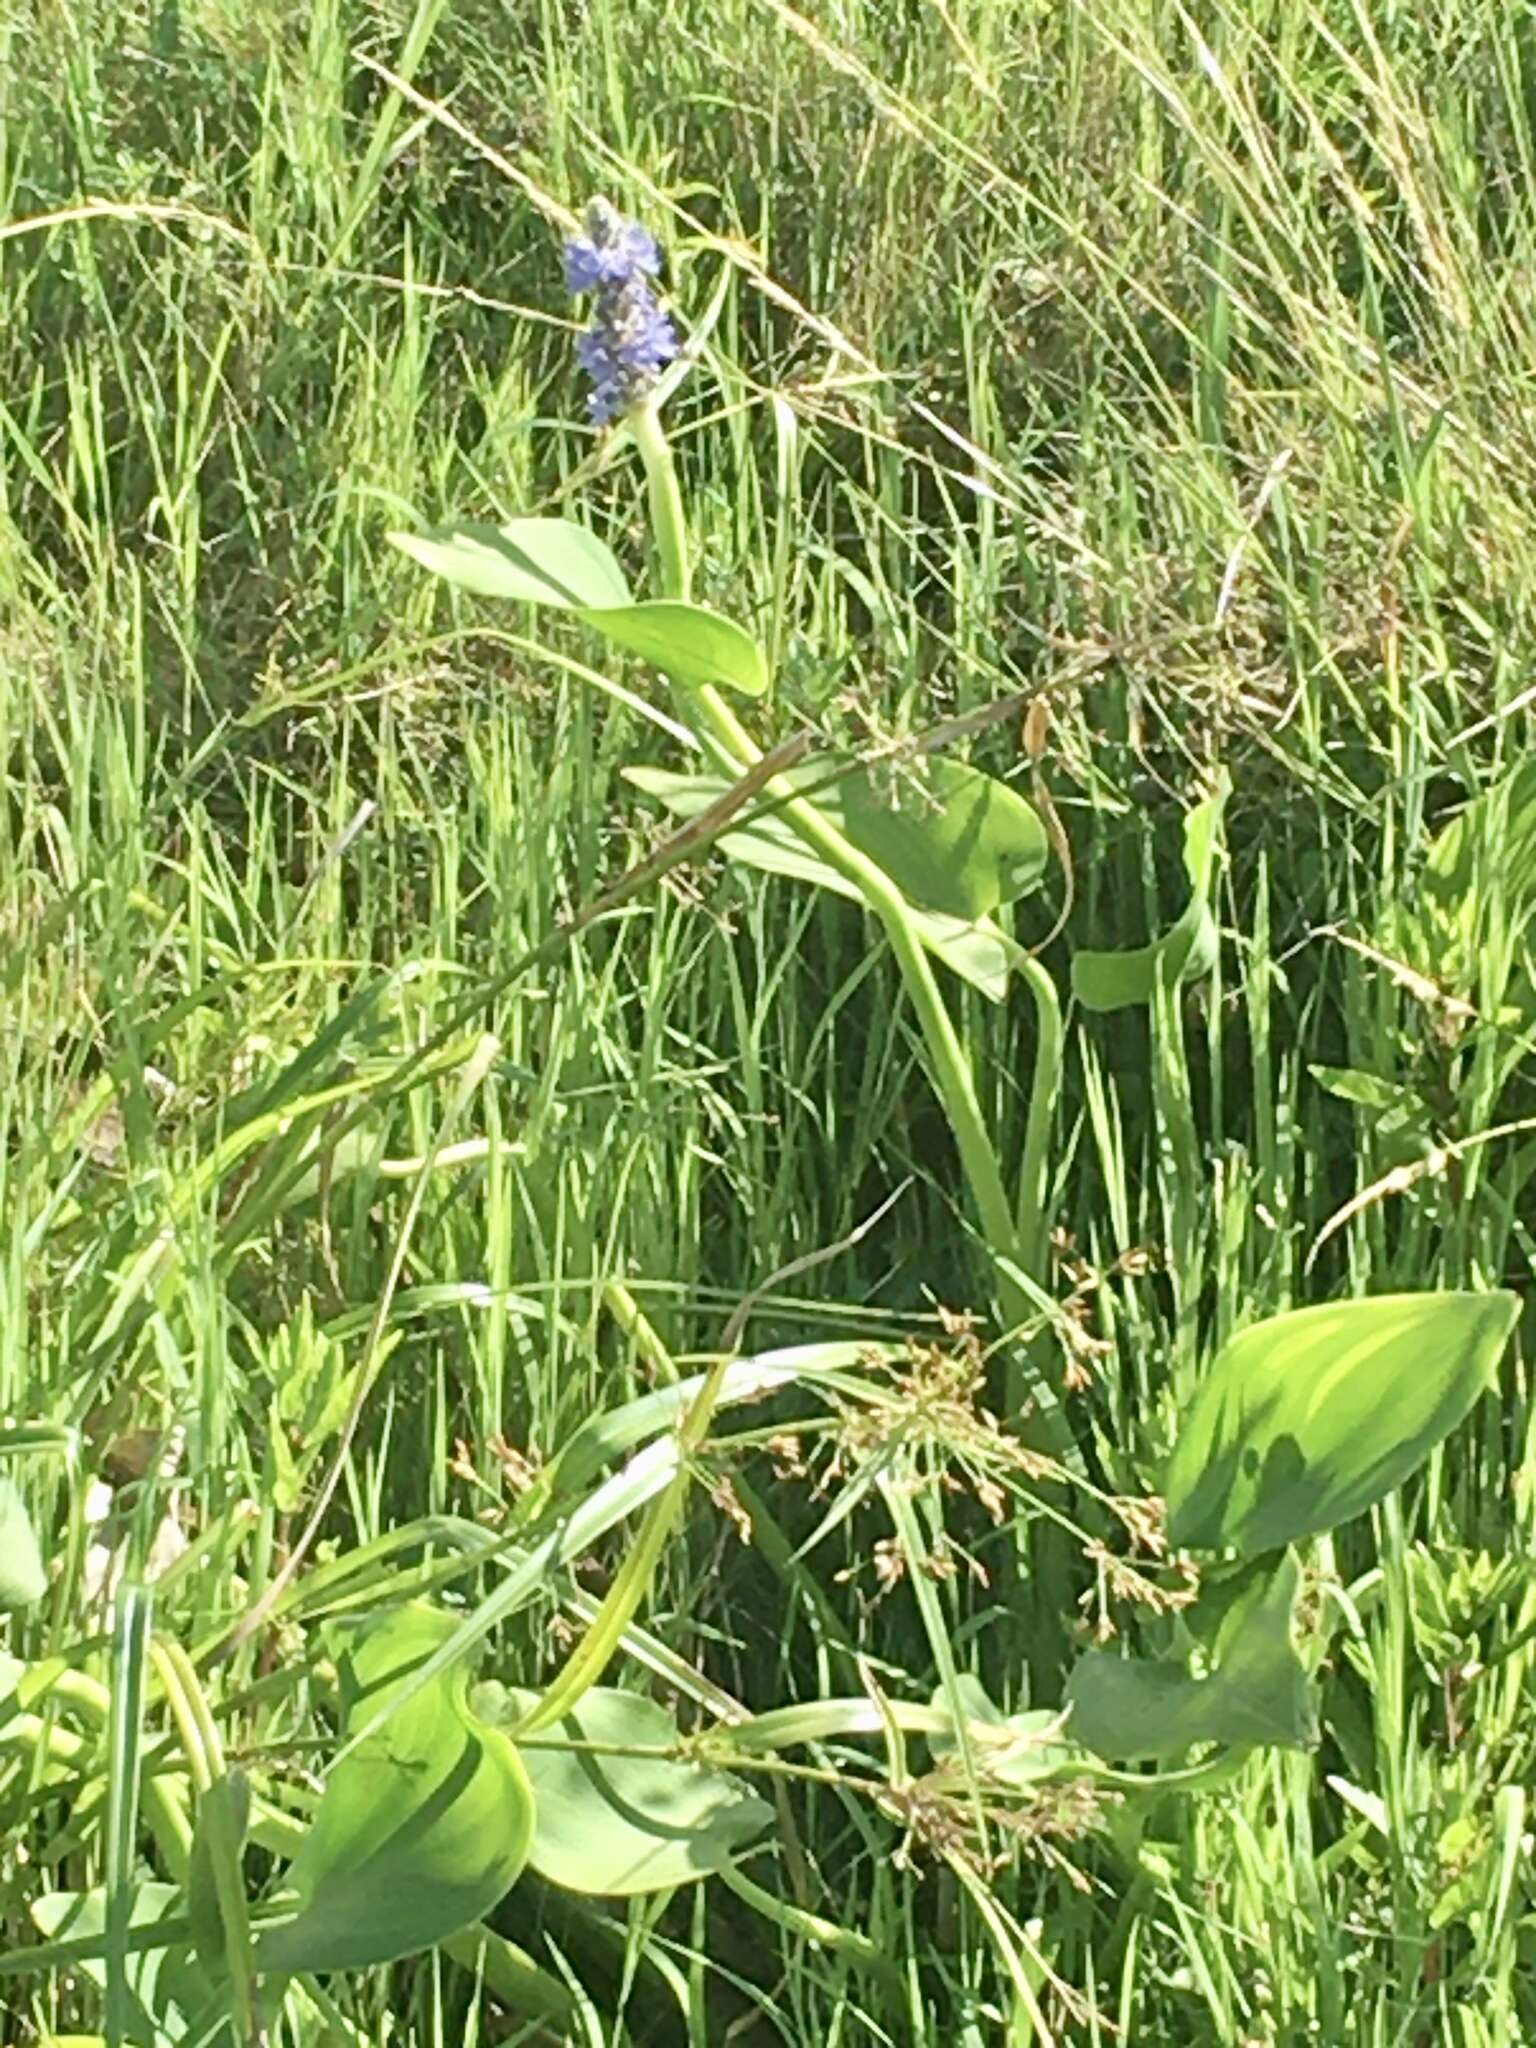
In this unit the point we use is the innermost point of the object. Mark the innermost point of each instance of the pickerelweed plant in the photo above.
(932, 872)
(437, 1798)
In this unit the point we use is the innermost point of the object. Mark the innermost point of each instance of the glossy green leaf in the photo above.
(556, 562)
(978, 952)
(534, 561)
(423, 1826)
(23, 1580)
(952, 839)
(1258, 1693)
(1306, 1419)
(616, 1826)
(169, 1998)
(1185, 952)
(688, 642)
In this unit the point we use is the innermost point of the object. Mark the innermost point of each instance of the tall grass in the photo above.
(1177, 360)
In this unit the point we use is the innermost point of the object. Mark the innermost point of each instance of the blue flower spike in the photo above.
(631, 340)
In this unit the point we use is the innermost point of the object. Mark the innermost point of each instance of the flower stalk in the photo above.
(616, 259)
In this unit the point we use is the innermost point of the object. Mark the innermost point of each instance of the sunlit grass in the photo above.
(1178, 363)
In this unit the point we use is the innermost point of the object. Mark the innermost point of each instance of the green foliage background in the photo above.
(1175, 361)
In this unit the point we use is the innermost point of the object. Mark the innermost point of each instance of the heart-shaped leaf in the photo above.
(422, 1827)
(1306, 1419)
(978, 952)
(556, 562)
(616, 1825)
(1185, 952)
(23, 1579)
(952, 839)
(1125, 1707)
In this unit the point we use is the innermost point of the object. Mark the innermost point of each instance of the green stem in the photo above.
(204, 1753)
(669, 523)
(821, 1933)
(948, 1066)
(587, 1662)
(622, 1602)
(162, 1797)
(637, 1326)
(1032, 1215)
(1045, 1086)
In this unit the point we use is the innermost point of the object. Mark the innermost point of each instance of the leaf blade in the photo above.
(977, 951)
(424, 1825)
(532, 561)
(1306, 1419)
(618, 1826)
(558, 563)
(963, 844)
(685, 641)
(23, 1575)
(1187, 951)
(1258, 1695)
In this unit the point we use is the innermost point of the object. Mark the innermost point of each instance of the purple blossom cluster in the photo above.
(631, 340)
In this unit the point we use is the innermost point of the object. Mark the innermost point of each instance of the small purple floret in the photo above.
(591, 263)
(631, 340)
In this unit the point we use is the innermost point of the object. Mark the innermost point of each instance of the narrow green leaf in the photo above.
(79, 2041)
(614, 1430)
(616, 1826)
(1368, 1091)
(1306, 1419)
(1258, 1694)
(1483, 862)
(132, 1615)
(1185, 952)
(425, 1823)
